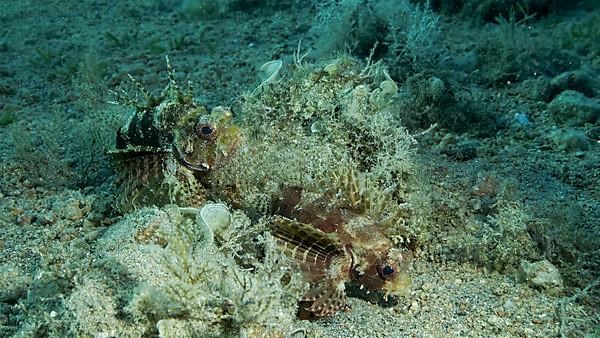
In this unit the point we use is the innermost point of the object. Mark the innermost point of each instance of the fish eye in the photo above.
(206, 131)
(386, 271)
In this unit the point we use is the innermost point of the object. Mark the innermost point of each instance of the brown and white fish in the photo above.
(334, 245)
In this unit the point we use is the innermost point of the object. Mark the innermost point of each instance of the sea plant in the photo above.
(208, 292)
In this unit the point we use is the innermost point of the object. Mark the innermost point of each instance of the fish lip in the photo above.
(181, 158)
(399, 286)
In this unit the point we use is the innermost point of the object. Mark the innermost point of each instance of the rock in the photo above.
(570, 140)
(75, 208)
(541, 275)
(72, 211)
(581, 80)
(574, 109)
(538, 89)
(26, 218)
(13, 284)
(45, 218)
(46, 285)
(521, 120)
(463, 150)
(594, 133)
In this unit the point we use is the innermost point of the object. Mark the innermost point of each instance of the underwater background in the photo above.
(148, 146)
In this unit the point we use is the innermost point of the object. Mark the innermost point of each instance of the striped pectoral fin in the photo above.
(313, 249)
(326, 298)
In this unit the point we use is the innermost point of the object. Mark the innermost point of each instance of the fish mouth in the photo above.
(399, 286)
(202, 167)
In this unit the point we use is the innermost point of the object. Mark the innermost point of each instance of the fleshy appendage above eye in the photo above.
(206, 131)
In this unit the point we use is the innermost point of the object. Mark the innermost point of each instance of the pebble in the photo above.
(427, 286)
(462, 308)
(495, 320)
(14, 283)
(508, 305)
(570, 140)
(46, 218)
(25, 219)
(521, 120)
(574, 109)
(72, 210)
(95, 217)
(542, 275)
(16, 211)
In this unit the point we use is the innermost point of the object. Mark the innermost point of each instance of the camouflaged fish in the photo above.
(334, 244)
(168, 145)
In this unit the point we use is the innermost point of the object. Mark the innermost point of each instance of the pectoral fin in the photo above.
(313, 249)
(326, 298)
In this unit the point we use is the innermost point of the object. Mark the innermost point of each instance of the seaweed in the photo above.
(209, 293)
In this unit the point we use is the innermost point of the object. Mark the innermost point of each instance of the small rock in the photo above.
(570, 140)
(13, 284)
(459, 149)
(581, 80)
(95, 218)
(495, 320)
(521, 120)
(73, 209)
(427, 286)
(542, 275)
(45, 218)
(508, 306)
(25, 219)
(574, 109)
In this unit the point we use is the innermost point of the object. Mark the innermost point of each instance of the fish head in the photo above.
(385, 273)
(204, 141)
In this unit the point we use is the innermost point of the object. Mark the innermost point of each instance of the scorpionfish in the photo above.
(334, 244)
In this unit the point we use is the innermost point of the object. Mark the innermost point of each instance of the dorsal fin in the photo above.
(315, 211)
(311, 248)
